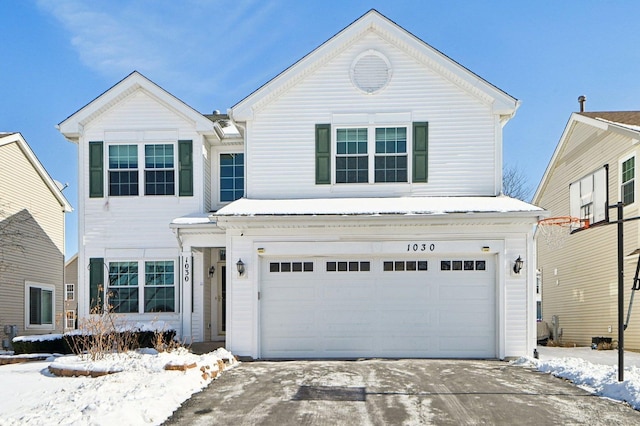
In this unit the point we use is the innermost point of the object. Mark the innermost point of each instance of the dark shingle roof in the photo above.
(624, 117)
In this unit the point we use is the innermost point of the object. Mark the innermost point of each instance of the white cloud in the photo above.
(192, 48)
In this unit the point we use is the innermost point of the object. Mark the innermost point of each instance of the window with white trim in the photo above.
(231, 176)
(371, 154)
(70, 320)
(40, 306)
(123, 170)
(125, 175)
(155, 281)
(159, 171)
(627, 180)
(69, 291)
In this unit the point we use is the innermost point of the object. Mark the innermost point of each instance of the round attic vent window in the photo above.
(370, 71)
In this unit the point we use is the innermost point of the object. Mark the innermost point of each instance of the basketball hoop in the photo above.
(555, 230)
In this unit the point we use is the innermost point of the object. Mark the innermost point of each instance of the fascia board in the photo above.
(72, 126)
(502, 103)
(37, 165)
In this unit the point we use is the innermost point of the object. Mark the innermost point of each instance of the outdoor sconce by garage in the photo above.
(212, 271)
(240, 267)
(517, 265)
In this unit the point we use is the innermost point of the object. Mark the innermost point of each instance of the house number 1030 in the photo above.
(421, 247)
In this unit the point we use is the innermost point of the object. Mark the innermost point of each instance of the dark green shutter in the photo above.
(420, 152)
(96, 170)
(185, 168)
(323, 154)
(96, 284)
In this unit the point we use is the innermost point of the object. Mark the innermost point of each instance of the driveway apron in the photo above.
(395, 392)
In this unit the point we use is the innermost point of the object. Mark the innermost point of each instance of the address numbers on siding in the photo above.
(421, 247)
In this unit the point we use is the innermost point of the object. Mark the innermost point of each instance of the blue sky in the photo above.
(58, 55)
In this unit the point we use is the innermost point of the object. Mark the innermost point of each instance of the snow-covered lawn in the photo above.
(143, 392)
(593, 370)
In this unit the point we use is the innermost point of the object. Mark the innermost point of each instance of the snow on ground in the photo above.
(592, 370)
(141, 392)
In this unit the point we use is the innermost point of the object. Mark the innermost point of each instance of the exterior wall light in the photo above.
(212, 271)
(240, 267)
(517, 265)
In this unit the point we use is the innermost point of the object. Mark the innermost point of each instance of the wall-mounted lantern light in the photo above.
(212, 271)
(517, 265)
(240, 266)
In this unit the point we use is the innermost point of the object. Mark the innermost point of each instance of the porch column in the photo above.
(186, 296)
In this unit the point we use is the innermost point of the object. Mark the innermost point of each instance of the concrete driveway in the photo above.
(395, 392)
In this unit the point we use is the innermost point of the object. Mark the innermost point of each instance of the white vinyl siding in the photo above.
(463, 143)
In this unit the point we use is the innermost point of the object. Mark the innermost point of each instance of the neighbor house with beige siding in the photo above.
(592, 168)
(32, 209)
(356, 211)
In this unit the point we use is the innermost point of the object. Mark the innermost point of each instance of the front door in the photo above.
(221, 299)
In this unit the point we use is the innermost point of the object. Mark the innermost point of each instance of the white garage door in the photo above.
(345, 308)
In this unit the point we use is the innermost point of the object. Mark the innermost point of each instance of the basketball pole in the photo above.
(620, 221)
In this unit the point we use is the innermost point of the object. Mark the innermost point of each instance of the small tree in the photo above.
(515, 183)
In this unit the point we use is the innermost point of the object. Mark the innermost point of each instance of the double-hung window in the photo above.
(70, 292)
(159, 286)
(159, 173)
(40, 300)
(231, 177)
(352, 159)
(122, 293)
(627, 189)
(123, 170)
(391, 154)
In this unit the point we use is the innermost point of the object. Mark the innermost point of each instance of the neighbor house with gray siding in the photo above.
(32, 209)
(349, 207)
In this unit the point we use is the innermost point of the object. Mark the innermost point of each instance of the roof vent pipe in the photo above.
(581, 100)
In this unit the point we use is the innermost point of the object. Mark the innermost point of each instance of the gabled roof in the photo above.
(503, 103)
(71, 127)
(8, 138)
(622, 122)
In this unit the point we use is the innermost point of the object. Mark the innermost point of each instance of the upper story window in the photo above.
(231, 177)
(628, 173)
(123, 170)
(372, 154)
(168, 169)
(69, 293)
(391, 154)
(159, 176)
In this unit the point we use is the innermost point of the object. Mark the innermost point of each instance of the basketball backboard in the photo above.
(589, 197)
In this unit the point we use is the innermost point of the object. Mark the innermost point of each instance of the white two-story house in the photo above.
(349, 207)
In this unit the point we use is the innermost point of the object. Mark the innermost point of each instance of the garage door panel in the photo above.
(376, 312)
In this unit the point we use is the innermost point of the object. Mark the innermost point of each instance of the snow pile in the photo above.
(594, 371)
(141, 392)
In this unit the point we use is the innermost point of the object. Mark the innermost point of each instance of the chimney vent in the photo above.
(582, 99)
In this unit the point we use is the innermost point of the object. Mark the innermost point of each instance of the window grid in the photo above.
(402, 265)
(123, 287)
(69, 292)
(159, 176)
(159, 289)
(463, 265)
(231, 177)
(70, 320)
(628, 181)
(391, 155)
(352, 161)
(348, 266)
(291, 267)
(123, 173)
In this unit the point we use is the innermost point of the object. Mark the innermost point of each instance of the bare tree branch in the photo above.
(515, 183)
